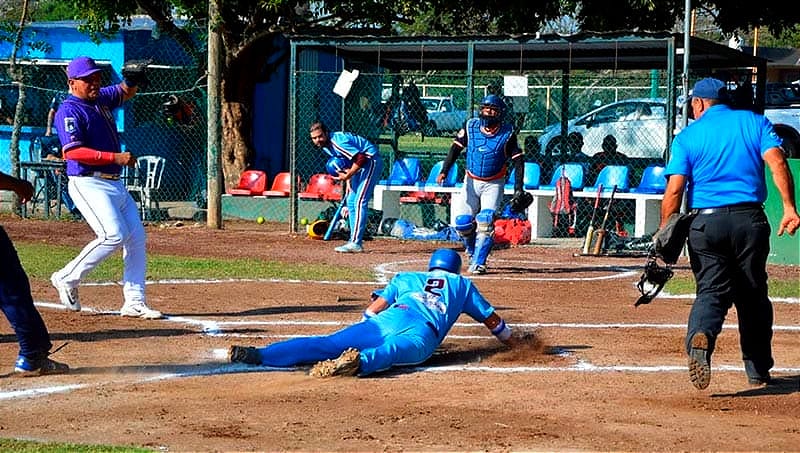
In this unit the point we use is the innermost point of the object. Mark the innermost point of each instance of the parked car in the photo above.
(638, 125)
(783, 110)
(442, 114)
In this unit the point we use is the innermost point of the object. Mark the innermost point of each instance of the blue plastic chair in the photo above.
(653, 180)
(427, 189)
(610, 176)
(450, 179)
(573, 171)
(405, 172)
(531, 179)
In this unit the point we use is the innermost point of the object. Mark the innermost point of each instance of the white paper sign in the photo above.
(345, 82)
(515, 86)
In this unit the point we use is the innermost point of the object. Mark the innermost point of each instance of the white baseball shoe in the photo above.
(140, 310)
(350, 247)
(69, 296)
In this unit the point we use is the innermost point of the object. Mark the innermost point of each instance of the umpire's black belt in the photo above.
(727, 209)
(101, 175)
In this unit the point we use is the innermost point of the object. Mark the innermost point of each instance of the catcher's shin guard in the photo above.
(465, 227)
(485, 237)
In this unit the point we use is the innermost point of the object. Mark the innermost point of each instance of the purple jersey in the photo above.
(91, 124)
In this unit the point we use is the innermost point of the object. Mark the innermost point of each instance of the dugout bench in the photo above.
(647, 207)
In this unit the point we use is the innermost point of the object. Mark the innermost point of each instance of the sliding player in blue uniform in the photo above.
(362, 175)
(404, 325)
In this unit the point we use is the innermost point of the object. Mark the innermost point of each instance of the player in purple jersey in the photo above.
(90, 143)
(404, 325)
(17, 304)
(365, 170)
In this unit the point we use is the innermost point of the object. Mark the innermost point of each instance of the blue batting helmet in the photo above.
(493, 100)
(336, 164)
(445, 259)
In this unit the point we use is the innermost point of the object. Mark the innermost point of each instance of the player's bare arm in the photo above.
(782, 177)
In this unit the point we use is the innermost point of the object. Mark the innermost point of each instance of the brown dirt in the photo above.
(586, 380)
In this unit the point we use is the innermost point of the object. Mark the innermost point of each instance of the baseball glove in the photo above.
(668, 242)
(520, 202)
(134, 73)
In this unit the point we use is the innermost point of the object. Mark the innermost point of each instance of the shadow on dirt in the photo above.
(283, 310)
(783, 385)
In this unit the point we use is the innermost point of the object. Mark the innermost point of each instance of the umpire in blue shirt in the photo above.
(719, 161)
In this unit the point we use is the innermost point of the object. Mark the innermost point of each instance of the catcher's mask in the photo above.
(653, 280)
(495, 103)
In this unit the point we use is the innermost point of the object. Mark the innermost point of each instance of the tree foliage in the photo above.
(248, 26)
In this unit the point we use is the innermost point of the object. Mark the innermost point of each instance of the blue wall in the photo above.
(66, 43)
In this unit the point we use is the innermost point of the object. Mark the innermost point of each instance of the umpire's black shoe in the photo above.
(700, 361)
(759, 381)
(244, 354)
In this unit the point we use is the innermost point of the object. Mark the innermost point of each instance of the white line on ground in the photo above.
(217, 328)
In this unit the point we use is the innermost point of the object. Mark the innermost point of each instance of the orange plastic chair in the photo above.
(251, 182)
(318, 186)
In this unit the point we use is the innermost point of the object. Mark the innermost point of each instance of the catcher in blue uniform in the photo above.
(363, 173)
(490, 144)
(404, 325)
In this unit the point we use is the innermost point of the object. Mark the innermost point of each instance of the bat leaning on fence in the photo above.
(334, 221)
(587, 242)
(600, 234)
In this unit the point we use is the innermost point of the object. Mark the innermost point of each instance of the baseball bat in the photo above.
(600, 235)
(590, 230)
(336, 216)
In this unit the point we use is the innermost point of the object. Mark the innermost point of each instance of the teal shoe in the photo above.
(350, 247)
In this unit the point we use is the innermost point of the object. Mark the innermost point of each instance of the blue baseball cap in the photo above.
(709, 88)
(82, 67)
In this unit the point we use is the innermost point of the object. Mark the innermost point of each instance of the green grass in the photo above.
(24, 446)
(41, 260)
(777, 288)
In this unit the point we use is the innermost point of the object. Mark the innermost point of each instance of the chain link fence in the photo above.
(167, 118)
(610, 119)
(613, 119)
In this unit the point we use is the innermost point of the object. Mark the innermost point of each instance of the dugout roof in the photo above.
(619, 50)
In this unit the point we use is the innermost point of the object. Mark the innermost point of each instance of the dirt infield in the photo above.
(601, 375)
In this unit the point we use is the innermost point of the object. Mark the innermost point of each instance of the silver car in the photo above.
(638, 125)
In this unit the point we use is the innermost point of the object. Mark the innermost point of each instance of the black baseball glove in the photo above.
(134, 73)
(520, 202)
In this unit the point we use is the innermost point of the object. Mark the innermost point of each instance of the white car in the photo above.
(638, 125)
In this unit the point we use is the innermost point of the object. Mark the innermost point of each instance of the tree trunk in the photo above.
(237, 153)
(238, 85)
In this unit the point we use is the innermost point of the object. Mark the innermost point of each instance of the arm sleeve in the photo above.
(452, 155)
(519, 173)
(360, 159)
(90, 156)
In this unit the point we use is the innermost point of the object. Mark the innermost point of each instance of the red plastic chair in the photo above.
(251, 182)
(335, 193)
(318, 186)
(281, 185)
